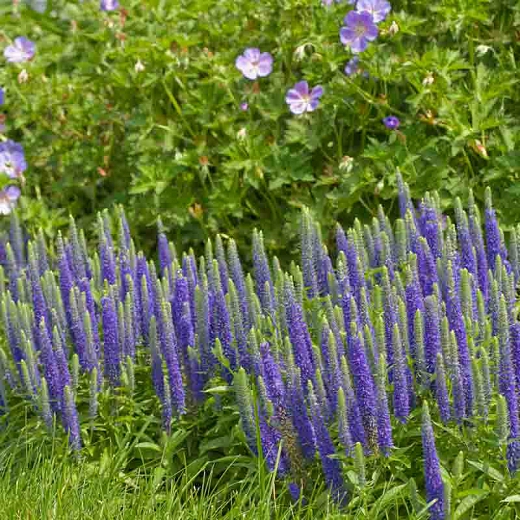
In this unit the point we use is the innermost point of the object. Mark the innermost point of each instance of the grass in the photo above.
(42, 485)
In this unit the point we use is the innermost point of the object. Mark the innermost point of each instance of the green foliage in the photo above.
(142, 107)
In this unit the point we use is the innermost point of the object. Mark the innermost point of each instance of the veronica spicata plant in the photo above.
(329, 362)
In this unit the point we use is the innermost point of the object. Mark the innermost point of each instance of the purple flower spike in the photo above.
(432, 468)
(391, 122)
(12, 159)
(110, 341)
(379, 9)
(331, 467)
(20, 51)
(300, 100)
(8, 198)
(1, 96)
(254, 64)
(108, 5)
(359, 31)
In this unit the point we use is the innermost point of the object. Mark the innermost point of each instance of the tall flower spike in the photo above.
(299, 415)
(163, 248)
(495, 246)
(457, 385)
(169, 351)
(456, 321)
(432, 340)
(78, 255)
(468, 257)
(222, 328)
(441, 390)
(16, 239)
(50, 367)
(357, 430)
(390, 313)
(414, 301)
(237, 275)
(429, 224)
(272, 376)
(432, 468)
(262, 271)
(61, 363)
(110, 341)
(480, 399)
(343, 423)
(401, 390)
(40, 309)
(238, 326)
(299, 335)
(44, 404)
(427, 267)
(331, 467)
(403, 190)
(384, 427)
(308, 263)
(507, 387)
(363, 385)
(514, 251)
(245, 407)
(478, 243)
(70, 419)
(158, 379)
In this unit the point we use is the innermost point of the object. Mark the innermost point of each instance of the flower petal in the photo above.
(298, 107)
(316, 93)
(265, 65)
(302, 87)
(12, 193)
(252, 54)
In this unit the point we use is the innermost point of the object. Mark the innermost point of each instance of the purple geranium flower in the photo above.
(391, 122)
(360, 29)
(352, 66)
(244, 106)
(8, 198)
(108, 5)
(379, 9)
(300, 100)
(20, 51)
(12, 159)
(255, 64)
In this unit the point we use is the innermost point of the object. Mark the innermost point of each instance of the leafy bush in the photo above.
(204, 365)
(144, 106)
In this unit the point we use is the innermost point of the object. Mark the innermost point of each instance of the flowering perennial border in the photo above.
(421, 309)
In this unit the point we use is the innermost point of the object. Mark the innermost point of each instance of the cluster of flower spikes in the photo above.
(426, 305)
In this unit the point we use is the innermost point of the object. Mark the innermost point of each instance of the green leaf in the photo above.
(148, 446)
(468, 503)
(488, 470)
(389, 495)
(512, 498)
(215, 444)
(224, 389)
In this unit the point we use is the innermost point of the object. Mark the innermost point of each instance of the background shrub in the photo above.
(142, 106)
